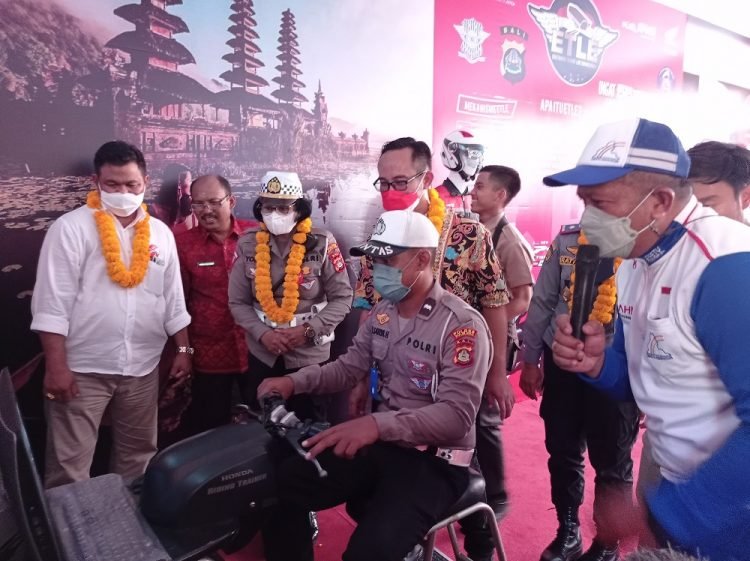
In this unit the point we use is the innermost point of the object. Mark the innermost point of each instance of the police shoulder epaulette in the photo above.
(320, 232)
(467, 215)
(462, 311)
(250, 232)
(570, 229)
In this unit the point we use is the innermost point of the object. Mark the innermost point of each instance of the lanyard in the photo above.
(375, 382)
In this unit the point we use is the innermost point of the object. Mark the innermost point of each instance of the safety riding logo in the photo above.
(608, 152)
(472, 35)
(576, 38)
(655, 350)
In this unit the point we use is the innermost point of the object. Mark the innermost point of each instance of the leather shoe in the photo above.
(600, 552)
(567, 545)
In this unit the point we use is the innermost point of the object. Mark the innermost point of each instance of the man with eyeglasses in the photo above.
(465, 265)
(207, 254)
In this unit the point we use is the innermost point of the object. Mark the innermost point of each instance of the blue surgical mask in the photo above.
(388, 283)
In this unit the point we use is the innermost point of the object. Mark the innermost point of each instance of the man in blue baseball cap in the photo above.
(683, 304)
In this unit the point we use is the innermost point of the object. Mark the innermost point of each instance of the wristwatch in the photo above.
(309, 332)
(188, 350)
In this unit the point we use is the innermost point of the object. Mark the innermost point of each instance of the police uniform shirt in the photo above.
(552, 292)
(323, 278)
(514, 253)
(432, 371)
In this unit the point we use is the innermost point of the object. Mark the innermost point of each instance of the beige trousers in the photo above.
(72, 427)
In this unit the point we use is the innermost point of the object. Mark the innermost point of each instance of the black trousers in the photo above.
(403, 493)
(489, 457)
(211, 401)
(576, 416)
(301, 404)
(490, 452)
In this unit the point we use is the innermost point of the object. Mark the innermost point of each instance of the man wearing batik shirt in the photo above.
(207, 254)
(465, 264)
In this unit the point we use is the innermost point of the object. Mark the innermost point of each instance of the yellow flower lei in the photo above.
(606, 298)
(105, 225)
(436, 211)
(263, 284)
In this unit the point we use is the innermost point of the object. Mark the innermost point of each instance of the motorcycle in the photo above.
(198, 496)
(224, 477)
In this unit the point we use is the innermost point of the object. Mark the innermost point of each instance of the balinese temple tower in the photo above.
(289, 85)
(156, 56)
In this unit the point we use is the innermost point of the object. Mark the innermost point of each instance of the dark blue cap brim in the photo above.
(376, 249)
(586, 175)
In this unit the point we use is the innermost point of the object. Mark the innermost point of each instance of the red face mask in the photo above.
(400, 200)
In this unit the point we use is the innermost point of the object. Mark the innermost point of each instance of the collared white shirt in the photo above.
(689, 411)
(108, 329)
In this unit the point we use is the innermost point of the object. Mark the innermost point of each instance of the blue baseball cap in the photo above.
(618, 148)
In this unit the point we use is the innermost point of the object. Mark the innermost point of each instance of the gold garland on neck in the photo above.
(606, 297)
(436, 210)
(263, 284)
(116, 269)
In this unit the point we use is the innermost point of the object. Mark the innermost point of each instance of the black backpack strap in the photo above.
(499, 230)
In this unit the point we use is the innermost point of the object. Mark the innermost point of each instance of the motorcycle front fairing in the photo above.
(219, 475)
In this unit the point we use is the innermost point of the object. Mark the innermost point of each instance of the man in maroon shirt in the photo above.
(207, 254)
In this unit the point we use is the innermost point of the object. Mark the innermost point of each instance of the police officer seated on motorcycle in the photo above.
(426, 354)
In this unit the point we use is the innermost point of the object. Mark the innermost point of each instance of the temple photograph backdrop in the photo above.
(207, 86)
(239, 87)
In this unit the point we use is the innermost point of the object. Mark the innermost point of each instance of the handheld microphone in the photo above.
(584, 292)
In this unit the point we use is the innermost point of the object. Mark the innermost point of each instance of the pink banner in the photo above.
(533, 79)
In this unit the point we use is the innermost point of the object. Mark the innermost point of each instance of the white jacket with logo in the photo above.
(681, 349)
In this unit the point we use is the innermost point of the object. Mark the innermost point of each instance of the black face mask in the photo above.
(185, 208)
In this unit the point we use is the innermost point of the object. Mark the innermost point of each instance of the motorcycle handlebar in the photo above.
(283, 423)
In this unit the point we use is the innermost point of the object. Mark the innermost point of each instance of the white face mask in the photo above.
(613, 235)
(279, 224)
(121, 204)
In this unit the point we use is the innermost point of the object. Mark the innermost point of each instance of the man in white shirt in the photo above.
(679, 348)
(107, 296)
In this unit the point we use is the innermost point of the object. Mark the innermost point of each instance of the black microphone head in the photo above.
(587, 254)
(587, 263)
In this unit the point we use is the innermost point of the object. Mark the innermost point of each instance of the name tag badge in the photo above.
(207, 264)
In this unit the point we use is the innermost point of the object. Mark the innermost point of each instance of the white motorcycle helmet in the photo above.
(462, 154)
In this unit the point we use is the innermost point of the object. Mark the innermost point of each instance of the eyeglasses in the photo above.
(213, 204)
(382, 184)
(281, 209)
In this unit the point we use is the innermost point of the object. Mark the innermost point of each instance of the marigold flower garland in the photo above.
(436, 211)
(116, 269)
(263, 283)
(606, 298)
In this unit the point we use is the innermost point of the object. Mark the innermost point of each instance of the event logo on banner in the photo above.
(472, 36)
(576, 41)
(554, 70)
(513, 65)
